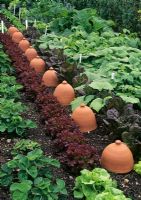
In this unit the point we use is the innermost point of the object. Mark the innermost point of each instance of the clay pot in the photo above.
(38, 64)
(12, 30)
(17, 37)
(50, 78)
(31, 53)
(24, 44)
(65, 93)
(117, 158)
(84, 117)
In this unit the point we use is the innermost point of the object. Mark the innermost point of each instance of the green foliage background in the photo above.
(123, 12)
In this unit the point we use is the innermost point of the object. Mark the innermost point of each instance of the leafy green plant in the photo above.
(9, 87)
(47, 10)
(85, 19)
(30, 176)
(124, 63)
(14, 20)
(112, 193)
(24, 146)
(104, 52)
(5, 66)
(11, 119)
(102, 55)
(124, 13)
(91, 100)
(96, 185)
(137, 168)
(41, 26)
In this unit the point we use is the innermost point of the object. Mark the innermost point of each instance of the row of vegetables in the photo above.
(64, 93)
(43, 98)
(11, 109)
(26, 154)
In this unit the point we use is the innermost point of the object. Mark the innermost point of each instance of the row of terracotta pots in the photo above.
(35, 61)
(116, 157)
(64, 92)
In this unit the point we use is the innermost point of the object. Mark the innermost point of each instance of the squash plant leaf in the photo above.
(101, 85)
(97, 104)
(77, 102)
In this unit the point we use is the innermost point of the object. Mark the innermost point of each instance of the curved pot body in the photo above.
(31, 53)
(24, 44)
(117, 158)
(12, 30)
(50, 78)
(85, 118)
(38, 64)
(64, 93)
(17, 37)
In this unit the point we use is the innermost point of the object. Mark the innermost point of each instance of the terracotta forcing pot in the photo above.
(17, 37)
(38, 64)
(31, 53)
(85, 118)
(24, 44)
(50, 78)
(117, 158)
(65, 93)
(12, 30)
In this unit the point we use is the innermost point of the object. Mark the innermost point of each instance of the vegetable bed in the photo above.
(43, 153)
(129, 183)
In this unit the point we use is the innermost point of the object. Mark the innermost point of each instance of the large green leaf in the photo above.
(32, 171)
(18, 195)
(78, 194)
(24, 186)
(101, 85)
(88, 99)
(35, 154)
(82, 99)
(50, 161)
(23, 163)
(76, 102)
(97, 104)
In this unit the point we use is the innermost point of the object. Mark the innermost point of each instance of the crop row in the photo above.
(11, 109)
